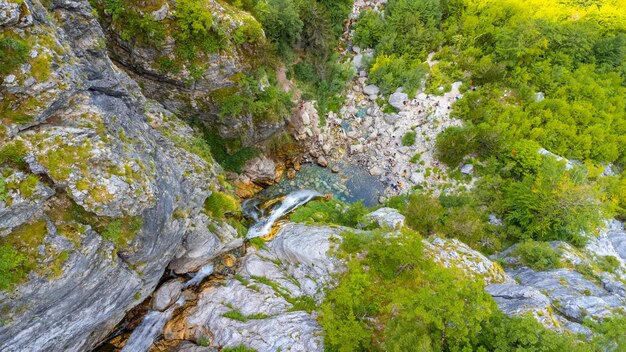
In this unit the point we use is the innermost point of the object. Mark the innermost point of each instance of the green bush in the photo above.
(539, 256)
(524, 159)
(393, 298)
(195, 30)
(390, 72)
(455, 143)
(556, 204)
(330, 212)
(369, 29)
(423, 213)
(409, 138)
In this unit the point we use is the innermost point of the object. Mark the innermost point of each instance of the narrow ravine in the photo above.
(144, 335)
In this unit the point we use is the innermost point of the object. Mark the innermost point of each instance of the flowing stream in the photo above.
(151, 326)
(153, 322)
(290, 203)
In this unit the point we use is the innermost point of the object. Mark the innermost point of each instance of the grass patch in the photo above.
(220, 204)
(409, 138)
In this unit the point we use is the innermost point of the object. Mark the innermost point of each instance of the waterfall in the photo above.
(151, 326)
(153, 322)
(290, 203)
(205, 271)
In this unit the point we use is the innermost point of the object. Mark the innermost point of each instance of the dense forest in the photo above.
(536, 74)
(123, 160)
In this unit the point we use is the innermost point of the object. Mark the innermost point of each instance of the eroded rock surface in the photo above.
(563, 298)
(265, 305)
(106, 179)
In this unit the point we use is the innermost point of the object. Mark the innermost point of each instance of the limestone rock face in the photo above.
(294, 268)
(187, 90)
(107, 172)
(563, 298)
(456, 254)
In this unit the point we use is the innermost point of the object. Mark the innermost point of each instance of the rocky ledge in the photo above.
(101, 186)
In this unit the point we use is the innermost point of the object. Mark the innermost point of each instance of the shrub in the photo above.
(409, 138)
(13, 53)
(524, 158)
(608, 263)
(330, 212)
(556, 204)
(455, 143)
(390, 72)
(539, 256)
(369, 29)
(423, 213)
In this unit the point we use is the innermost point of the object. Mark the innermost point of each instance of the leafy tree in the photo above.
(281, 21)
(369, 30)
(556, 204)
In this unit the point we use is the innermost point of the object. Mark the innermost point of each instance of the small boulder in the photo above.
(321, 161)
(467, 169)
(376, 171)
(386, 218)
(167, 294)
(398, 100)
(357, 148)
(261, 170)
(371, 90)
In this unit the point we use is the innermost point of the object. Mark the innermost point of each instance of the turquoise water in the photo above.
(351, 184)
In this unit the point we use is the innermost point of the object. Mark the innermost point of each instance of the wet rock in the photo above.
(291, 173)
(245, 188)
(296, 263)
(202, 245)
(376, 171)
(386, 218)
(321, 161)
(167, 294)
(187, 346)
(261, 170)
(113, 153)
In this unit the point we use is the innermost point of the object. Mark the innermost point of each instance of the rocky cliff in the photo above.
(192, 71)
(99, 185)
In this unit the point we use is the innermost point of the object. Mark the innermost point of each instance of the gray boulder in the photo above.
(398, 100)
(386, 218)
